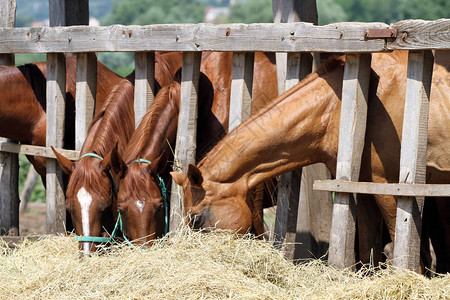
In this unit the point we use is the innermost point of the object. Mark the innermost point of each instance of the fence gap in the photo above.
(185, 147)
(352, 130)
(144, 87)
(56, 93)
(413, 158)
(86, 89)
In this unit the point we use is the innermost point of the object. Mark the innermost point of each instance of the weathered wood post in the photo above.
(65, 13)
(9, 163)
(352, 129)
(185, 147)
(413, 158)
(144, 86)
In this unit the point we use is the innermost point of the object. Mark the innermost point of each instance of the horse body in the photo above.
(23, 104)
(301, 127)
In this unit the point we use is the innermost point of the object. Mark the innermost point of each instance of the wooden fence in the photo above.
(354, 39)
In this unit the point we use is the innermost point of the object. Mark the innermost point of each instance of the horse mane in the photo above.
(114, 120)
(327, 66)
(168, 95)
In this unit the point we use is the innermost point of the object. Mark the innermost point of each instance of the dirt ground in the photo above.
(32, 220)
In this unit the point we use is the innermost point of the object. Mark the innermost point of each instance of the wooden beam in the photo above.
(68, 12)
(413, 158)
(9, 163)
(185, 147)
(37, 150)
(144, 86)
(288, 37)
(86, 89)
(351, 142)
(394, 189)
(241, 88)
(56, 93)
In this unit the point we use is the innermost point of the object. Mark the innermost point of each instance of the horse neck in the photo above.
(114, 124)
(156, 133)
(298, 129)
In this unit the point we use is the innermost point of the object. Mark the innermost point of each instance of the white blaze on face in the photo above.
(140, 205)
(85, 200)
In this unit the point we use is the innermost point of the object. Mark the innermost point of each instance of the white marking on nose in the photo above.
(140, 205)
(85, 200)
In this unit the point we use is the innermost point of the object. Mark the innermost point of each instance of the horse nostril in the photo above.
(197, 221)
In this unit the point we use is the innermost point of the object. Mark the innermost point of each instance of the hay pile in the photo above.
(191, 265)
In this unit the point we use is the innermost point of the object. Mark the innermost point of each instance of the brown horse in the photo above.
(139, 198)
(23, 104)
(90, 191)
(301, 128)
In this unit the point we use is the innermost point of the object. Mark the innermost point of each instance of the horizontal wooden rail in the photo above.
(394, 189)
(37, 150)
(268, 37)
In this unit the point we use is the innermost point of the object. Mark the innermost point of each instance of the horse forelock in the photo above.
(114, 122)
(167, 98)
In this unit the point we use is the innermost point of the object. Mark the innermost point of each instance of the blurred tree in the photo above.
(330, 12)
(251, 11)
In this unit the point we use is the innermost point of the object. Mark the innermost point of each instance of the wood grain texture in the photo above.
(144, 86)
(241, 88)
(37, 150)
(287, 37)
(56, 92)
(395, 189)
(185, 147)
(413, 157)
(86, 89)
(351, 142)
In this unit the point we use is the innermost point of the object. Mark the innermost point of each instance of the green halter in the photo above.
(163, 189)
(97, 239)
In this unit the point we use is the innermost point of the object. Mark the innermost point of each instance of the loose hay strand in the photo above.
(192, 265)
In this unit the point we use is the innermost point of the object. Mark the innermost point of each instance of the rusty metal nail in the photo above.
(228, 32)
(130, 33)
(404, 36)
(28, 34)
(341, 34)
(292, 33)
(392, 34)
(123, 32)
(39, 35)
(176, 38)
(366, 34)
(70, 39)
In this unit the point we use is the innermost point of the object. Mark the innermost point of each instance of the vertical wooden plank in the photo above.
(56, 92)
(185, 147)
(68, 12)
(9, 163)
(241, 88)
(86, 88)
(144, 86)
(351, 142)
(413, 157)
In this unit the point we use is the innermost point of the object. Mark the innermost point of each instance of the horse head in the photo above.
(90, 195)
(140, 201)
(209, 204)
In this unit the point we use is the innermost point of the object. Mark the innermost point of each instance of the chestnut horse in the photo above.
(90, 191)
(23, 103)
(301, 128)
(139, 199)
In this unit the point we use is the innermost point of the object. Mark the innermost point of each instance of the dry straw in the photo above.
(192, 265)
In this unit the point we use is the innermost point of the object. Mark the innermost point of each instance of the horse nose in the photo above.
(196, 221)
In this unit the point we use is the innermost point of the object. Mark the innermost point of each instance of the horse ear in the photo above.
(195, 175)
(114, 162)
(66, 164)
(179, 178)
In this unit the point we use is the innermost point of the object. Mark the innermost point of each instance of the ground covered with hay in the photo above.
(192, 265)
